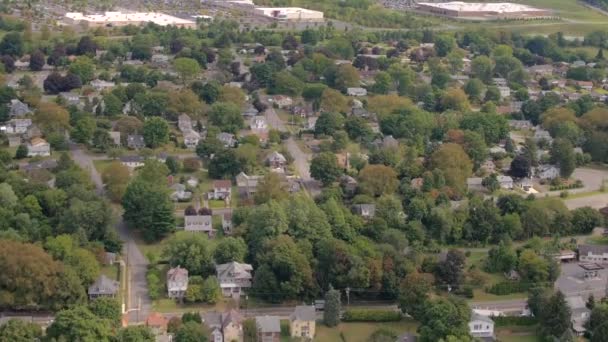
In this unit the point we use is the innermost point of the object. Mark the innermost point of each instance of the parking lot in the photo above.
(571, 282)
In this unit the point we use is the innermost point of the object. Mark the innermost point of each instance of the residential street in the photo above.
(137, 263)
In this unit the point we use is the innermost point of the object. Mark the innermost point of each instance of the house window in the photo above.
(477, 327)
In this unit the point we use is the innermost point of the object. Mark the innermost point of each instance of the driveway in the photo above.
(571, 282)
(137, 264)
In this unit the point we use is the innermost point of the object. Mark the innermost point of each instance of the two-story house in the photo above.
(258, 123)
(227, 223)
(365, 210)
(177, 282)
(157, 323)
(38, 147)
(356, 91)
(222, 189)
(199, 224)
(103, 287)
(246, 184)
(234, 278)
(302, 322)
(276, 160)
(132, 161)
(228, 139)
(191, 139)
(135, 141)
(232, 326)
(269, 328)
(17, 126)
(481, 326)
(18, 108)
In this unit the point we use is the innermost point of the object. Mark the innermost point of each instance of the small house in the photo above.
(179, 193)
(579, 314)
(348, 184)
(18, 108)
(160, 60)
(133, 161)
(593, 253)
(177, 282)
(100, 85)
(222, 189)
(234, 278)
(115, 136)
(71, 99)
(199, 224)
(475, 184)
(157, 323)
(38, 147)
(232, 325)
(504, 92)
(227, 139)
(365, 210)
(250, 112)
(184, 123)
(356, 91)
(191, 139)
(506, 182)
(103, 287)
(586, 85)
(481, 327)
(227, 223)
(246, 184)
(268, 328)
(283, 101)
(547, 172)
(302, 322)
(276, 160)
(135, 141)
(259, 123)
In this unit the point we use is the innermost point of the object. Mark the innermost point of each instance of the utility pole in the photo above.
(348, 296)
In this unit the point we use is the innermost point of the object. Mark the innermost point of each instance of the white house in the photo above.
(234, 277)
(547, 172)
(283, 101)
(18, 108)
(177, 282)
(179, 193)
(481, 326)
(504, 92)
(227, 139)
(276, 160)
(365, 210)
(199, 224)
(258, 123)
(16, 126)
(191, 139)
(227, 223)
(132, 161)
(184, 123)
(100, 85)
(38, 147)
(506, 182)
(579, 313)
(356, 91)
(221, 190)
(593, 253)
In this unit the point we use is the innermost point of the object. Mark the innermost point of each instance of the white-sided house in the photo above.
(234, 278)
(283, 101)
(228, 139)
(547, 172)
(101, 85)
(191, 139)
(132, 161)
(227, 223)
(276, 160)
(18, 108)
(38, 147)
(579, 314)
(593, 253)
(199, 224)
(258, 123)
(356, 91)
(222, 189)
(506, 182)
(481, 326)
(17, 126)
(184, 123)
(177, 282)
(504, 92)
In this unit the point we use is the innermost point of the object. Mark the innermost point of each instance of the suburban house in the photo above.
(160, 60)
(356, 91)
(302, 322)
(16, 126)
(232, 326)
(251, 111)
(227, 223)
(132, 161)
(504, 92)
(115, 136)
(48, 164)
(222, 189)
(100, 85)
(191, 139)
(593, 253)
(177, 282)
(38, 147)
(481, 326)
(506, 182)
(269, 328)
(258, 123)
(199, 224)
(18, 108)
(213, 321)
(547, 172)
(520, 124)
(71, 99)
(247, 184)
(579, 314)
(227, 139)
(184, 123)
(103, 287)
(14, 140)
(135, 141)
(586, 85)
(157, 323)
(179, 192)
(276, 160)
(475, 184)
(365, 210)
(348, 184)
(234, 277)
(541, 134)
(283, 101)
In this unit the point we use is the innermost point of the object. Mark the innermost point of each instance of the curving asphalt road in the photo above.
(138, 303)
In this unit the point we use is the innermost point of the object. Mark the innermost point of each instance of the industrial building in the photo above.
(110, 19)
(477, 10)
(289, 13)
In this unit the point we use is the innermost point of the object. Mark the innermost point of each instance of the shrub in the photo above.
(507, 287)
(502, 321)
(367, 315)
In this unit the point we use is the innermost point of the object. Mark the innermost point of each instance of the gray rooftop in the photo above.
(593, 249)
(268, 324)
(303, 313)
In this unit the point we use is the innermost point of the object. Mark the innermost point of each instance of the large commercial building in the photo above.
(489, 10)
(289, 13)
(110, 19)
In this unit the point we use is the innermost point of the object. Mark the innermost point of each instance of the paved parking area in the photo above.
(571, 282)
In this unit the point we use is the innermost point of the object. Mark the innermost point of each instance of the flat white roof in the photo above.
(136, 17)
(499, 7)
(286, 9)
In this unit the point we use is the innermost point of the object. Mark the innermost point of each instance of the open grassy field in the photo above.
(360, 332)
(569, 9)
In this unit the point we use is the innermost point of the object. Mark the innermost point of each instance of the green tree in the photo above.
(382, 83)
(12, 44)
(148, 207)
(444, 317)
(135, 333)
(84, 68)
(107, 308)
(191, 332)
(224, 164)
(555, 316)
(16, 330)
(270, 187)
(155, 132)
(230, 249)
(585, 219)
(227, 116)
(190, 250)
(84, 129)
(454, 163)
(79, 324)
(187, 68)
(21, 152)
(285, 83)
(328, 123)
(562, 153)
(331, 313)
(444, 44)
(211, 291)
(474, 88)
(324, 168)
(482, 68)
(501, 258)
(378, 180)
(414, 293)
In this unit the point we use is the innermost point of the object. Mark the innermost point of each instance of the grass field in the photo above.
(476, 259)
(517, 334)
(360, 332)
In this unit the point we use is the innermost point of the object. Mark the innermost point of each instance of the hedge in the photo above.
(370, 315)
(507, 287)
(502, 321)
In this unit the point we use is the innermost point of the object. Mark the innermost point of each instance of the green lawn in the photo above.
(102, 165)
(476, 259)
(111, 271)
(517, 334)
(360, 332)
